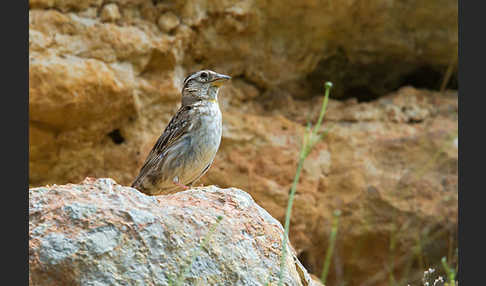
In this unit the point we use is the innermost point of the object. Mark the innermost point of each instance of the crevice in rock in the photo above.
(414, 121)
(116, 137)
(305, 258)
(369, 82)
(428, 78)
(361, 93)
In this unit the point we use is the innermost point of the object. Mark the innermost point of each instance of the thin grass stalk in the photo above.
(287, 219)
(447, 76)
(451, 274)
(308, 143)
(330, 247)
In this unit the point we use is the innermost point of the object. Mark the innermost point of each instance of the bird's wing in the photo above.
(177, 127)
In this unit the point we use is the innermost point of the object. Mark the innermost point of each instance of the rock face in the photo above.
(104, 80)
(101, 233)
(102, 71)
(267, 43)
(389, 165)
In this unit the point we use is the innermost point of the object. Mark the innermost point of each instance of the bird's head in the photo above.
(202, 85)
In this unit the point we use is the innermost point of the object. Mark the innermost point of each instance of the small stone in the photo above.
(110, 13)
(168, 21)
(89, 12)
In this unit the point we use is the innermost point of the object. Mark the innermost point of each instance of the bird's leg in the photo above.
(181, 185)
(176, 182)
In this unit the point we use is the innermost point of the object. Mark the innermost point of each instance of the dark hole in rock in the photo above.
(368, 82)
(116, 136)
(361, 93)
(414, 121)
(429, 78)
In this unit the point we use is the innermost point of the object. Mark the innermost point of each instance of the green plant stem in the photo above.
(330, 248)
(308, 143)
(419, 251)
(313, 139)
(450, 272)
(323, 109)
(287, 217)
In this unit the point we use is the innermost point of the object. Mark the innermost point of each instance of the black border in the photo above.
(471, 75)
(15, 140)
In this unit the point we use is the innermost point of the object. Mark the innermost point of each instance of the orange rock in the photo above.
(101, 93)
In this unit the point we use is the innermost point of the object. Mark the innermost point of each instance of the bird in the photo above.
(188, 145)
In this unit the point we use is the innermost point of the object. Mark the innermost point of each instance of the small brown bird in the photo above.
(187, 147)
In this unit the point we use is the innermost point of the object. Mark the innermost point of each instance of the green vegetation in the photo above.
(310, 139)
(451, 273)
(330, 248)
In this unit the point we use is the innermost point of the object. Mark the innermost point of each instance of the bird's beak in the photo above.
(220, 79)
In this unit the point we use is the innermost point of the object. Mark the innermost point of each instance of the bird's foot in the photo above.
(181, 185)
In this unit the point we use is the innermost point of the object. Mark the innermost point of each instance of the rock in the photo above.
(372, 47)
(101, 94)
(389, 165)
(168, 21)
(110, 13)
(64, 5)
(101, 233)
(140, 68)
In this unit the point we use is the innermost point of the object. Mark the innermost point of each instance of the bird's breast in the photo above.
(210, 127)
(204, 136)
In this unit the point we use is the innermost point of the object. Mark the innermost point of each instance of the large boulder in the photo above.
(102, 233)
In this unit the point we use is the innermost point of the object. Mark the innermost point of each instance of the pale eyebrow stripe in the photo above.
(192, 75)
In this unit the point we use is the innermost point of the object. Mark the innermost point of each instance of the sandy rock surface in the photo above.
(389, 165)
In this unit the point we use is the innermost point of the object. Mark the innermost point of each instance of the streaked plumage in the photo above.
(187, 147)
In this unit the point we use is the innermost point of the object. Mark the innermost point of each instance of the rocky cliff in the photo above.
(105, 76)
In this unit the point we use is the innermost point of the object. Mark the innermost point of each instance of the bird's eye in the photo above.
(204, 75)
